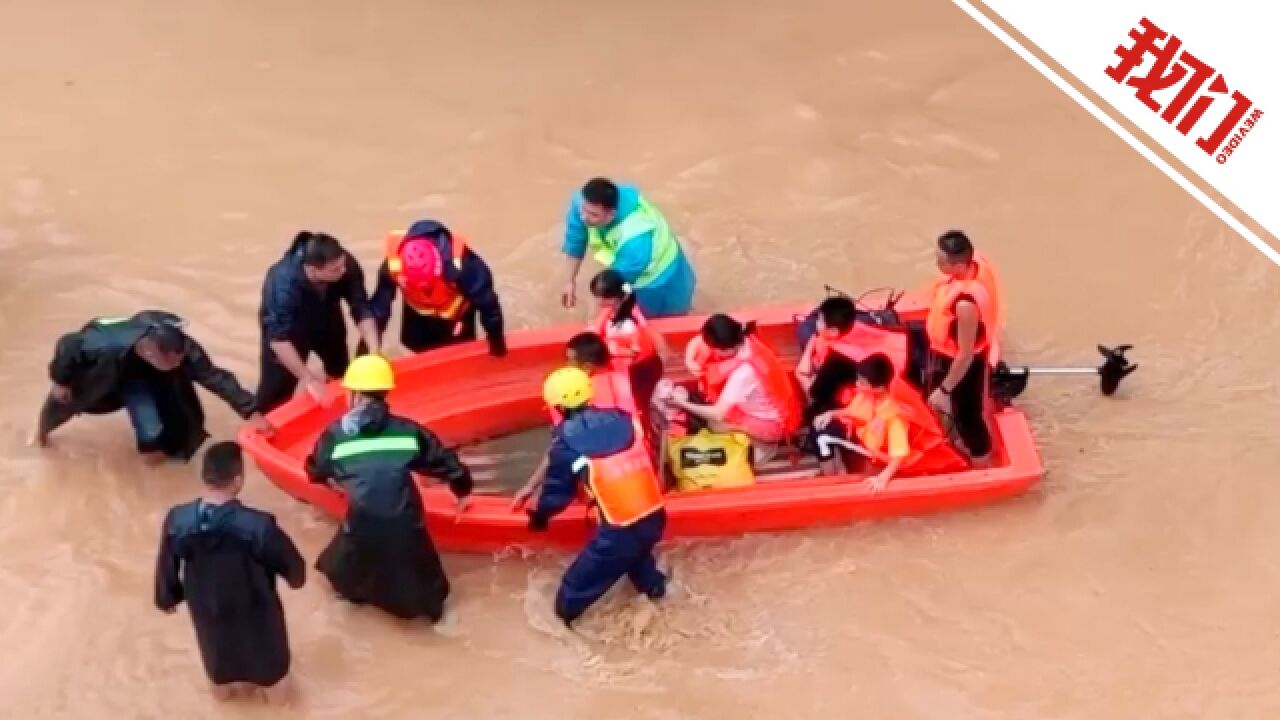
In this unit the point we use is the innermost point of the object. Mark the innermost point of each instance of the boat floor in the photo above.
(500, 466)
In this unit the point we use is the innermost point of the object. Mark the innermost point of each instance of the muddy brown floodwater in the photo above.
(156, 153)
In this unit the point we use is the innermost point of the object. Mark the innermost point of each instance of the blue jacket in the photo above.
(593, 432)
(474, 282)
(294, 310)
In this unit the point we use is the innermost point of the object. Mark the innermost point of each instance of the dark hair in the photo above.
(724, 333)
(956, 246)
(877, 370)
(589, 347)
(601, 191)
(223, 463)
(320, 249)
(167, 338)
(609, 285)
(838, 313)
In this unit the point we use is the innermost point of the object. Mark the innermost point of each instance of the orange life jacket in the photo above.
(860, 342)
(624, 486)
(931, 453)
(442, 297)
(626, 346)
(778, 382)
(984, 288)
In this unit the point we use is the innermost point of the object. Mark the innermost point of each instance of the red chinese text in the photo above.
(1174, 66)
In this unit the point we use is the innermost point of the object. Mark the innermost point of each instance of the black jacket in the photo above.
(94, 360)
(294, 310)
(372, 455)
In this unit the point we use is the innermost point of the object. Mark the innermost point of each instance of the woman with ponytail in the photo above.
(633, 346)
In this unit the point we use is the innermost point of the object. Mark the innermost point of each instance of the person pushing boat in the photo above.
(146, 365)
(626, 233)
(222, 559)
(383, 555)
(602, 450)
(445, 287)
(301, 313)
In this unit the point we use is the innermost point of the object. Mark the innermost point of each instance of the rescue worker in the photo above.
(148, 366)
(222, 559)
(609, 389)
(383, 554)
(445, 286)
(627, 234)
(634, 348)
(961, 334)
(891, 423)
(603, 450)
(742, 385)
(301, 314)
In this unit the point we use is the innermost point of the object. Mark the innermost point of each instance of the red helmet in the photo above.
(421, 261)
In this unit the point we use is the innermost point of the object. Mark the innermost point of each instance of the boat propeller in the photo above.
(1008, 383)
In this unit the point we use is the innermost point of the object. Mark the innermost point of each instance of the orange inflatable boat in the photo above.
(472, 401)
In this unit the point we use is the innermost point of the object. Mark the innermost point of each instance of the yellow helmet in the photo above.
(568, 387)
(369, 373)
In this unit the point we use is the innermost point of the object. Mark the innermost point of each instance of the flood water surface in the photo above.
(157, 154)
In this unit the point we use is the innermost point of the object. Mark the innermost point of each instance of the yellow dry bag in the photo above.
(710, 460)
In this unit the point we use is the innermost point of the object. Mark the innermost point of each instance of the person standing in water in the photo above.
(222, 559)
(446, 286)
(148, 366)
(383, 554)
(628, 235)
(301, 314)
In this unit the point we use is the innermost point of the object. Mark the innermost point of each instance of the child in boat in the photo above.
(222, 558)
(633, 346)
(887, 422)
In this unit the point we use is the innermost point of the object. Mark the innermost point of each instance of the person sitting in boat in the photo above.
(741, 384)
(602, 450)
(633, 346)
(958, 342)
(148, 366)
(383, 554)
(610, 388)
(629, 235)
(890, 423)
(446, 286)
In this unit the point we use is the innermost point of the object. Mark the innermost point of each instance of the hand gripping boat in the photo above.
(467, 397)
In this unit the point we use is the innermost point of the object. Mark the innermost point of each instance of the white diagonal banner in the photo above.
(1191, 75)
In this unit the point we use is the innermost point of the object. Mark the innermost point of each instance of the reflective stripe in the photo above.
(367, 446)
(639, 221)
(110, 320)
(581, 464)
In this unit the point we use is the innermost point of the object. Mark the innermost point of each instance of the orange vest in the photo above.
(860, 342)
(624, 486)
(930, 454)
(625, 346)
(441, 298)
(778, 382)
(984, 288)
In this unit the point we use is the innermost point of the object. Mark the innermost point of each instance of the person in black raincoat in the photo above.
(383, 555)
(222, 558)
(445, 285)
(301, 313)
(146, 365)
